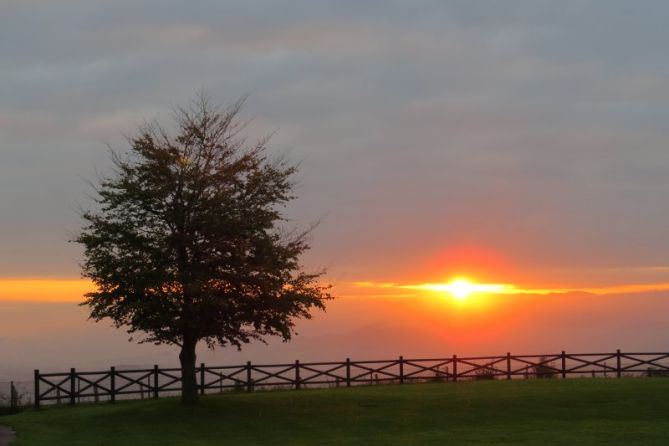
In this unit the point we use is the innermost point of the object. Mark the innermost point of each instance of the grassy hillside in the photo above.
(535, 412)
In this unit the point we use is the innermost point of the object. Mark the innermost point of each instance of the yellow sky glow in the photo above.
(73, 290)
(461, 288)
(44, 290)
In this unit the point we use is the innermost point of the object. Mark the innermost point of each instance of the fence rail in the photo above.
(75, 386)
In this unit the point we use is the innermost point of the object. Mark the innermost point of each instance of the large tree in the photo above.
(187, 244)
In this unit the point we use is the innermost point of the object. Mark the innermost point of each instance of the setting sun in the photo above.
(462, 288)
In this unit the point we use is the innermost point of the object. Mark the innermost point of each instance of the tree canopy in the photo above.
(187, 242)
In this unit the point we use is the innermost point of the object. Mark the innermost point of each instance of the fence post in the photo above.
(155, 380)
(112, 383)
(455, 368)
(249, 382)
(564, 364)
(348, 372)
(73, 378)
(36, 389)
(297, 374)
(508, 365)
(13, 396)
(202, 368)
(401, 369)
(618, 364)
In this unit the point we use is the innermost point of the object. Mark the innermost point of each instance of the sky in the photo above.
(519, 142)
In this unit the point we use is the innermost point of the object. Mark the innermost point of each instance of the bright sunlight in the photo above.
(462, 288)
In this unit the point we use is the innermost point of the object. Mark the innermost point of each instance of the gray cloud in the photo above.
(534, 128)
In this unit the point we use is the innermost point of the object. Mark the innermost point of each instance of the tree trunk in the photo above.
(189, 395)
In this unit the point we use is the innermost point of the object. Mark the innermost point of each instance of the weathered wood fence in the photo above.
(75, 386)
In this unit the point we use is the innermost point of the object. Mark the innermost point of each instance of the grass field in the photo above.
(534, 412)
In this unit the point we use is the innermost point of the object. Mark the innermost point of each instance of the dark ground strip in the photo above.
(6, 436)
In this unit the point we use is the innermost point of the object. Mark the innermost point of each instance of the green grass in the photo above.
(534, 412)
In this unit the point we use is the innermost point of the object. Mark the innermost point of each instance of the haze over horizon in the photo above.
(523, 144)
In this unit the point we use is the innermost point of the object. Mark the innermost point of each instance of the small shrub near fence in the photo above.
(545, 369)
(13, 397)
(487, 372)
(655, 372)
(109, 385)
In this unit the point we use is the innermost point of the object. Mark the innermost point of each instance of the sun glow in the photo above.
(462, 288)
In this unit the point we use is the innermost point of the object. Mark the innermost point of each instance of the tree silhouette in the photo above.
(186, 244)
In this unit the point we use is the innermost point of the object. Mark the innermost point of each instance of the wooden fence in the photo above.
(75, 386)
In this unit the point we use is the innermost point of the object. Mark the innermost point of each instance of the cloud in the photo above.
(535, 129)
